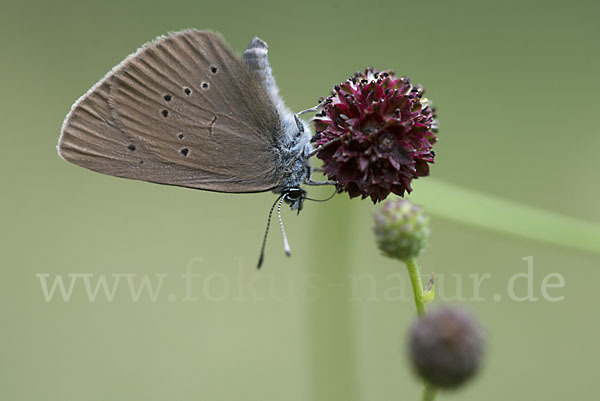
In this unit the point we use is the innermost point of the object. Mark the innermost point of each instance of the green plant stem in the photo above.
(429, 391)
(490, 212)
(332, 360)
(417, 285)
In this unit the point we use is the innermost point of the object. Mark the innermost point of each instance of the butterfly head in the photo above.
(294, 197)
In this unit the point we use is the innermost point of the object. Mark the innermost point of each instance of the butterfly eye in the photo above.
(294, 193)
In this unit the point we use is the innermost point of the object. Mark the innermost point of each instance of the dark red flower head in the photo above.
(379, 130)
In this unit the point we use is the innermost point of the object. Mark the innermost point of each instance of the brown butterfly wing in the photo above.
(183, 110)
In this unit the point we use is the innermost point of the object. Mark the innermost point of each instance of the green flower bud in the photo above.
(401, 229)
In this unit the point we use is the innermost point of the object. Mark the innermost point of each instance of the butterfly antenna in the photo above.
(286, 245)
(264, 242)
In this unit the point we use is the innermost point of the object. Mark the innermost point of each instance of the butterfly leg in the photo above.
(311, 182)
(320, 148)
(311, 110)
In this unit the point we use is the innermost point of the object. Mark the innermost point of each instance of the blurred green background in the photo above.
(516, 86)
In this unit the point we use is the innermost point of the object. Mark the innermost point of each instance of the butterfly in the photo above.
(185, 110)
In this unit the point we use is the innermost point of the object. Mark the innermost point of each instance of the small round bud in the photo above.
(446, 347)
(401, 229)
